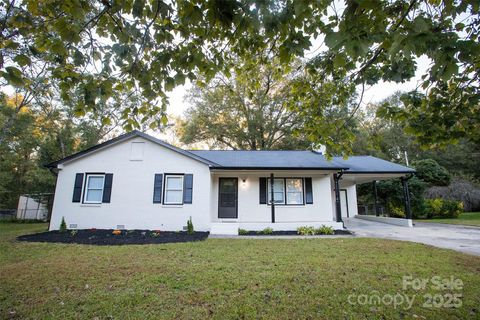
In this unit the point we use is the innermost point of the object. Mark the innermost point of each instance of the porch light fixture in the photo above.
(244, 180)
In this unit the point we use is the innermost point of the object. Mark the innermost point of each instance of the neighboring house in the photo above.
(136, 181)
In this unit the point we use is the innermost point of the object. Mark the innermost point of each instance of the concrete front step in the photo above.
(224, 229)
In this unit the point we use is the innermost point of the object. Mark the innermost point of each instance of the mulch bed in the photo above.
(106, 237)
(290, 233)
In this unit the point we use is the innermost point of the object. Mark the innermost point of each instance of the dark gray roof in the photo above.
(232, 159)
(288, 160)
(369, 164)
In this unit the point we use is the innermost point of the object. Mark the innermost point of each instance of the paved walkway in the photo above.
(461, 238)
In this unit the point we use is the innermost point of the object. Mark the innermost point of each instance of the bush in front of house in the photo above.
(324, 230)
(441, 208)
(190, 229)
(266, 231)
(63, 225)
(306, 231)
(242, 232)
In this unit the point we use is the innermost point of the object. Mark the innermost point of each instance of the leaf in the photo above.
(334, 39)
(137, 10)
(22, 60)
(13, 76)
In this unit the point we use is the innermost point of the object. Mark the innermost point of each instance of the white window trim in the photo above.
(285, 192)
(87, 188)
(170, 189)
(302, 192)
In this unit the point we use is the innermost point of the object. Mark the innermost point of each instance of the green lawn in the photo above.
(225, 279)
(466, 218)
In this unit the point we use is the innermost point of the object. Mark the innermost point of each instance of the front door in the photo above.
(227, 197)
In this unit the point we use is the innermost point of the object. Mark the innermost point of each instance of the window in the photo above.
(294, 189)
(94, 188)
(278, 191)
(286, 191)
(173, 189)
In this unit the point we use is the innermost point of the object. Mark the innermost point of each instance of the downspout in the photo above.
(272, 197)
(336, 179)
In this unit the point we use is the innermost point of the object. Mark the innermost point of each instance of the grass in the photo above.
(466, 218)
(225, 279)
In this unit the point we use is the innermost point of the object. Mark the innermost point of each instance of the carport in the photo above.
(366, 169)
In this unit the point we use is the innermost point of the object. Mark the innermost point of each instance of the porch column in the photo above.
(406, 198)
(272, 197)
(336, 179)
(375, 197)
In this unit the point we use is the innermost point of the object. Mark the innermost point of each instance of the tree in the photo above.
(149, 47)
(246, 111)
(386, 138)
(432, 173)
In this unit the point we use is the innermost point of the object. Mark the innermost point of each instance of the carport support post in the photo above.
(406, 197)
(336, 178)
(375, 197)
(272, 197)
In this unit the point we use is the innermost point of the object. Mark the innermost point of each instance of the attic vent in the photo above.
(72, 226)
(136, 152)
(120, 226)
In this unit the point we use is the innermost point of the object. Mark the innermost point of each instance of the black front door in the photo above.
(227, 197)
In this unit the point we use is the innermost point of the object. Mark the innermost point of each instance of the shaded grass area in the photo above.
(466, 218)
(224, 278)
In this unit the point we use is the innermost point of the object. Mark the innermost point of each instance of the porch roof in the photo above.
(254, 160)
(298, 160)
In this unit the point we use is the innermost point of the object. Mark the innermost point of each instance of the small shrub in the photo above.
(443, 208)
(190, 229)
(73, 233)
(267, 231)
(155, 233)
(395, 211)
(63, 225)
(242, 232)
(306, 231)
(324, 230)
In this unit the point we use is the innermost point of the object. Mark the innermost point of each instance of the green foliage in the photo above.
(190, 229)
(390, 194)
(73, 233)
(101, 49)
(63, 225)
(242, 232)
(247, 111)
(396, 211)
(266, 231)
(306, 231)
(326, 230)
(432, 173)
(443, 208)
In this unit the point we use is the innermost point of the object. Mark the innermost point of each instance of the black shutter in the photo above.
(107, 188)
(308, 191)
(188, 188)
(263, 190)
(77, 187)
(157, 188)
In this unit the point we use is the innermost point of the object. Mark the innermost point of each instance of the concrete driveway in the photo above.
(460, 238)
